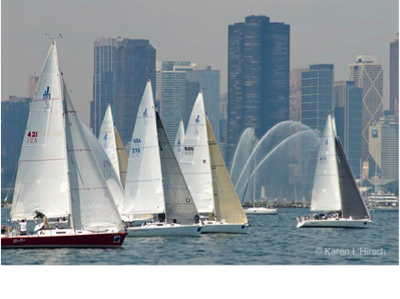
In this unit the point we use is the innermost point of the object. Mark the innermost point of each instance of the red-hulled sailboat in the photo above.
(60, 176)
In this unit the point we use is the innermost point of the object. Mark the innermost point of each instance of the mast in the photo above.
(254, 184)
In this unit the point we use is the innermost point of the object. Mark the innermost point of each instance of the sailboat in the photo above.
(155, 184)
(258, 210)
(335, 192)
(112, 145)
(207, 177)
(58, 174)
(179, 140)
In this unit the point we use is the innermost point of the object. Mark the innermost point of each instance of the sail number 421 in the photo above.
(32, 136)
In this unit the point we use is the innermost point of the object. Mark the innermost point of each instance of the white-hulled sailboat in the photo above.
(207, 177)
(258, 210)
(155, 184)
(335, 192)
(112, 145)
(59, 175)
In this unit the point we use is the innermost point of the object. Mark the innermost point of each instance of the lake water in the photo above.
(271, 240)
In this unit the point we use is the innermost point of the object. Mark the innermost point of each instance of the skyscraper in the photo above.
(172, 94)
(14, 115)
(223, 129)
(316, 95)
(367, 73)
(384, 149)
(134, 64)
(33, 80)
(348, 117)
(258, 77)
(207, 80)
(103, 80)
(295, 94)
(394, 75)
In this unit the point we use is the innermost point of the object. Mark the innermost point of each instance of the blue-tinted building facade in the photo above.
(317, 95)
(348, 116)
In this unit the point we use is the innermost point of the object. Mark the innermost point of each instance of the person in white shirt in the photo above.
(22, 225)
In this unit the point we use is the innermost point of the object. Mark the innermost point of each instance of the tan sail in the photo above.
(122, 157)
(226, 202)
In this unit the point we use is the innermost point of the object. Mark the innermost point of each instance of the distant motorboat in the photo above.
(261, 211)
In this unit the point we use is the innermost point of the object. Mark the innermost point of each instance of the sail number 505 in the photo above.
(32, 136)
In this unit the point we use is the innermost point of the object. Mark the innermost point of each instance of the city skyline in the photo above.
(189, 36)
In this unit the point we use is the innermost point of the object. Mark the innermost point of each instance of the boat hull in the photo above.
(90, 240)
(261, 211)
(345, 223)
(165, 231)
(224, 228)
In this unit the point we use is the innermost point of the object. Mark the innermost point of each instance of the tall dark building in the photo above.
(394, 75)
(258, 77)
(103, 80)
(134, 64)
(14, 115)
(207, 80)
(316, 95)
(348, 117)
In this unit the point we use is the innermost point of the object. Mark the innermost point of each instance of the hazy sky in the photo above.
(322, 31)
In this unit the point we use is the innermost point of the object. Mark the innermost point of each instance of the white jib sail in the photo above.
(195, 159)
(107, 140)
(42, 180)
(143, 188)
(108, 171)
(92, 202)
(179, 141)
(326, 191)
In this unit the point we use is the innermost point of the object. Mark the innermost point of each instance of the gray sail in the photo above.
(352, 202)
(179, 204)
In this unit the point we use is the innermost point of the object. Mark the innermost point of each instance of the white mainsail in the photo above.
(179, 141)
(92, 203)
(42, 180)
(226, 201)
(326, 191)
(195, 159)
(107, 139)
(143, 187)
